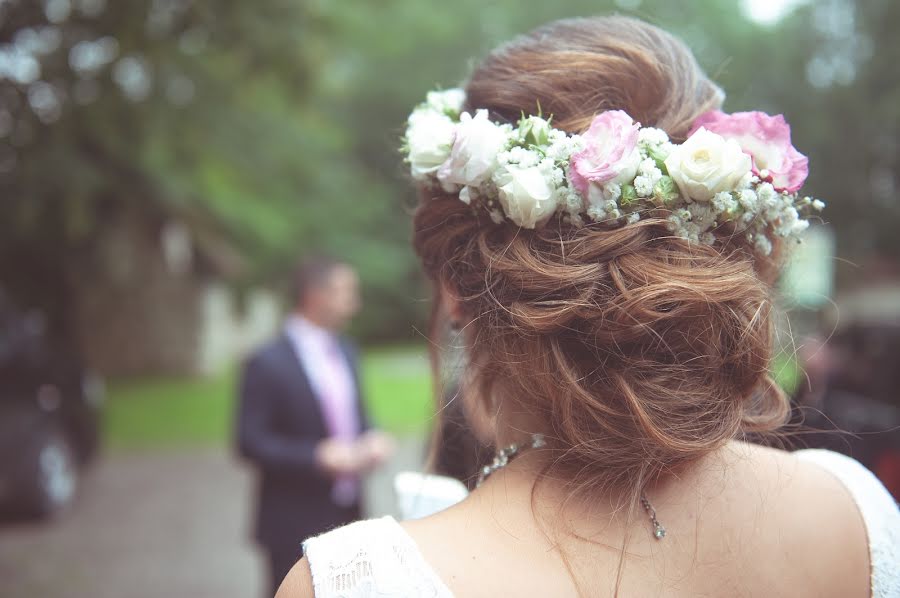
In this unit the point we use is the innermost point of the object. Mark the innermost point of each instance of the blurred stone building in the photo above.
(159, 297)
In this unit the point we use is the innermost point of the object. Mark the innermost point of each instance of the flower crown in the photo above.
(739, 168)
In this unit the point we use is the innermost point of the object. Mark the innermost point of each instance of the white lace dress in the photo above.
(377, 558)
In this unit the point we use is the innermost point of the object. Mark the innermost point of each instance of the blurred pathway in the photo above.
(154, 524)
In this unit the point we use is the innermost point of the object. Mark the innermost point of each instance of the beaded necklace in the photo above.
(510, 452)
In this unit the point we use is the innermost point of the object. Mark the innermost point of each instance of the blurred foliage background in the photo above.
(164, 163)
(275, 124)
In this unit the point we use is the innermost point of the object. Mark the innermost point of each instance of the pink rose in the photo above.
(610, 153)
(768, 141)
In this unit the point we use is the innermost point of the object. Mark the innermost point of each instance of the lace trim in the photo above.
(374, 558)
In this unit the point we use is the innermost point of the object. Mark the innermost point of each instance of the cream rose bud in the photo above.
(429, 137)
(475, 148)
(526, 195)
(707, 164)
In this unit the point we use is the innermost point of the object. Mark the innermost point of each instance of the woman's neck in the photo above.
(533, 487)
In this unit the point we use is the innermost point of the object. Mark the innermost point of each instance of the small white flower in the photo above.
(652, 136)
(799, 226)
(496, 216)
(791, 215)
(557, 136)
(525, 158)
(562, 147)
(766, 193)
(748, 200)
(706, 164)
(647, 167)
(632, 218)
(611, 191)
(555, 176)
(702, 215)
(762, 244)
(693, 234)
(573, 200)
(818, 204)
(596, 213)
(723, 202)
(643, 186)
(448, 100)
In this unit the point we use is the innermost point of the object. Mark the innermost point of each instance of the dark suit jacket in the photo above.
(279, 424)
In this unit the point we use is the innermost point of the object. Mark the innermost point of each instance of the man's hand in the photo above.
(337, 457)
(375, 448)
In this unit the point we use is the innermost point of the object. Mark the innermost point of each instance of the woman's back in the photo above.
(748, 521)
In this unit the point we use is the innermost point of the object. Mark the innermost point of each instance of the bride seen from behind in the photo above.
(607, 240)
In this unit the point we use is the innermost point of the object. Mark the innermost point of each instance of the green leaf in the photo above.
(659, 158)
(629, 195)
(665, 192)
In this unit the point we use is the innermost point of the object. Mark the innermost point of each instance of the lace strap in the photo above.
(879, 512)
(374, 558)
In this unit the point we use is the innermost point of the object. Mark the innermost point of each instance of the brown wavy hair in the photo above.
(637, 350)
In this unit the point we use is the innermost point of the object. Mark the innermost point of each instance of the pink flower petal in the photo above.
(767, 139)
(610, 142)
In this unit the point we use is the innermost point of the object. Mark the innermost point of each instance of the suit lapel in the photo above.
(353, 363)
(301, 389)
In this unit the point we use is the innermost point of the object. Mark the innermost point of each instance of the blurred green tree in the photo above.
(276, 123)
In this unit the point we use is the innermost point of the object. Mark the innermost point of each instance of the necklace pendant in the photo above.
(507, 454)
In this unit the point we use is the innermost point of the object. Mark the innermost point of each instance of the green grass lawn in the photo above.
(183, 412)
(179, 412)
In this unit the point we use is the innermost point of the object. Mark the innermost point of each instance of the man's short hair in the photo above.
(311, 273)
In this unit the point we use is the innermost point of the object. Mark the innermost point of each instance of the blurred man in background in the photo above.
(301, 421)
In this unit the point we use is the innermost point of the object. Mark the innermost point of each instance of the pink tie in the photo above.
(340, 416)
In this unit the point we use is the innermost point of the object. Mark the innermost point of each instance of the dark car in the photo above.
(49, 417)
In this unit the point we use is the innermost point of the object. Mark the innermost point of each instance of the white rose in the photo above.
(707, 164)
(429, 137)
(475, 148)
(527, 197)
(448, 100)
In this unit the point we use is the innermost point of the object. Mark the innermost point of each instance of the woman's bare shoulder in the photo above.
(807, 515)
(784, 471)
(790, 485)
(298, 582)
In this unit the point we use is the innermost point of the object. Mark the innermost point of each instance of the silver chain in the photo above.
(507, 454)
(659, 532)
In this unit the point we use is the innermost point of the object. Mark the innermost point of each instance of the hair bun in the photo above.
(638, 350)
